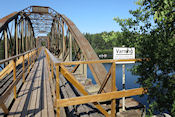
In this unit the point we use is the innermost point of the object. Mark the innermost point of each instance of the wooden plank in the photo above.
(36, 105)
(45, 106)
(95, 61)
(49, 99)
(29, 93)
(19, 102)
(19, 107)
(99, 97)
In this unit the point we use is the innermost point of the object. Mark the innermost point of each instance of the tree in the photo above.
(153, 28)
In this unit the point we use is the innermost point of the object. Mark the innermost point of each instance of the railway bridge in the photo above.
(44, 59)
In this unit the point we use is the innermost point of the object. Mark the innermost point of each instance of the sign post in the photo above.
(123, 53)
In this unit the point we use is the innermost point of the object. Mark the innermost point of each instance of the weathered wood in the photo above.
(9, 67)
(14, 77)
(57, 89)
(96, 61)
(79, 86)
(113, 82)
(99, 97)
(4, 108)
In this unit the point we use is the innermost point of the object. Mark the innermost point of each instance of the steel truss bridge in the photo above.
(44, 59)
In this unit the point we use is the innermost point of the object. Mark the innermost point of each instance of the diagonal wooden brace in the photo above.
(80, 87)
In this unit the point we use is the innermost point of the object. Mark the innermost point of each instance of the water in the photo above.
(130, 80)
(2, 65)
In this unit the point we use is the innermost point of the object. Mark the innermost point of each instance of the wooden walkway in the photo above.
(34, 98)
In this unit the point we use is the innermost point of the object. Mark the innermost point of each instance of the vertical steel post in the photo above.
(113, 102)
(22, 35)
(6, 45)
(70, 47)
(29, 39)
(63, 40)
(57, 89)
(16, 37)
(14, 77)
(26, 44)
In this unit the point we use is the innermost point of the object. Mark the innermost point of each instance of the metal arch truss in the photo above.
(62, 36)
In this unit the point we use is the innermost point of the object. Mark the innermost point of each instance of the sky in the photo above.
(90, 16)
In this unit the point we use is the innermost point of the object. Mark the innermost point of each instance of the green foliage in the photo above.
(152, 30)
(43, 43)
(104, 42)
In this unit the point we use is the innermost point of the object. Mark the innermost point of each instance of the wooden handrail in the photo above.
(16, 79)
(16, 56)
(97, 61)
(99, 97)
(86, 98)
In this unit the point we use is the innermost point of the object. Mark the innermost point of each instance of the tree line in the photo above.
(151, 31)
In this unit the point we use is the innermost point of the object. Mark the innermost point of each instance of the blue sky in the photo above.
(92, 16)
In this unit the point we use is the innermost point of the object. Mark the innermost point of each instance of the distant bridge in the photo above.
(52, 80)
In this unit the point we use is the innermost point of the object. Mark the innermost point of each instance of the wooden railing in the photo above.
(95, 98)
(30, 57)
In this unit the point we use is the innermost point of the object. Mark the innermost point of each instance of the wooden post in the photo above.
(14, 76)
(123, 83)
(6, 45)
(16, 37)
(23, 75)
(57, 89)
(113, 102)
(4, 108)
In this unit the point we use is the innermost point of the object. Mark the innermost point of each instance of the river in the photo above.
(130, 80)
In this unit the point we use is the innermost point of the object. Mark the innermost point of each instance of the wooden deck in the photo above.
(37, 94)
(34, 98)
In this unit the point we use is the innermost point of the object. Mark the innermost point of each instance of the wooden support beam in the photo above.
(97, 61)
(80, 87)
(99, 97)
(75, 68)
(57, 89)
(113, 82)
(14, 77)
(105, 81)
(4, 108)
